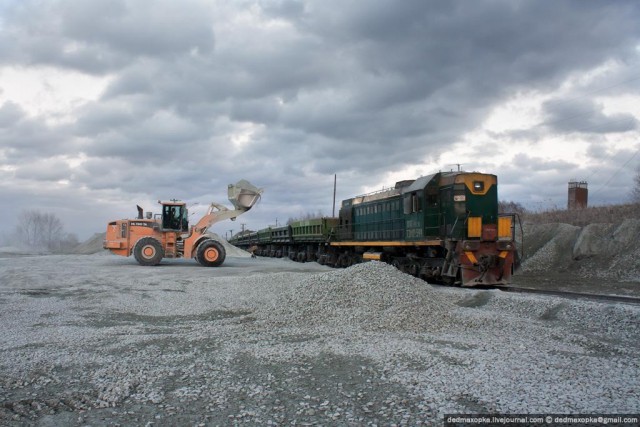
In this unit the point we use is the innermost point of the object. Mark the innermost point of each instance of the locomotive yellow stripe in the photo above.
(471, 257)
(389, 243)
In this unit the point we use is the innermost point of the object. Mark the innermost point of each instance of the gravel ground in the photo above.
(98, 340)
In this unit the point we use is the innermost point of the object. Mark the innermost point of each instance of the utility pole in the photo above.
(231, 233)
(335, 179)
(242, 225)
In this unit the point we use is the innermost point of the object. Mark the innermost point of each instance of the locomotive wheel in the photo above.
(344, 261)
(148, 251)
(210, 253)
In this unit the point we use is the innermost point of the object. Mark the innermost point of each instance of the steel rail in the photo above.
(569, 294)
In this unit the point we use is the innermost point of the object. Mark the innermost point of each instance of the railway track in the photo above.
(571, 295)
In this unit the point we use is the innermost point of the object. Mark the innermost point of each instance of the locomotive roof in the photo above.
(419, 184)
(378, 195)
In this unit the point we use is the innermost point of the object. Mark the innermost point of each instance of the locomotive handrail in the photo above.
(513, 234)
(453, 227)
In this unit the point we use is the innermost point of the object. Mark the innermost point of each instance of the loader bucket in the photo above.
(243, 195)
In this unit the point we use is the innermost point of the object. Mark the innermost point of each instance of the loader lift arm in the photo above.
(242, 196)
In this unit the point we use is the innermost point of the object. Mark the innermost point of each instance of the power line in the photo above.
(616, 172)
(586, 95)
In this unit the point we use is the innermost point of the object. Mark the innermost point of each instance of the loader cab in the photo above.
(175, 216)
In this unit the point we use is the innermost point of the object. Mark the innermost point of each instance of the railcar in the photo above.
(311, 237)
(444, 228)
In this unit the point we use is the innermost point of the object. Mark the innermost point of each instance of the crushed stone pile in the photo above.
(604, 250)
(548, 246)
(370, 296)
(232, 251)
(92, 245)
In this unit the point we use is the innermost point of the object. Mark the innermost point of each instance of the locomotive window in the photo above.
(407, 205)
(478, 186)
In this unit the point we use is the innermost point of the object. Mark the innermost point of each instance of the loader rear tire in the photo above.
(210, 253)
(148, 251)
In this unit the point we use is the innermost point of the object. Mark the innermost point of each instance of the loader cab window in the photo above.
(174, 217)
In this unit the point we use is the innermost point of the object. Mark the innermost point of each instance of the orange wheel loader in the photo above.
(168, 235)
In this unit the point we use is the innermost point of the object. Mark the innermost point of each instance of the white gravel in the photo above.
(100, 340)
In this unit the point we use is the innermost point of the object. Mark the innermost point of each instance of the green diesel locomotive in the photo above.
(443, 228)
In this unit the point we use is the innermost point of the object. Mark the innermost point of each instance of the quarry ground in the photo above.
(99, 340)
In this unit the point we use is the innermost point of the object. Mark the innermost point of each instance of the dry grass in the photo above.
(582, 217)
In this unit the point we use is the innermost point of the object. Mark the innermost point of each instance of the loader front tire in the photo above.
(148, 251)
(210, 253)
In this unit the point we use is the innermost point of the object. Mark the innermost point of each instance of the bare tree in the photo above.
(43, 230)
(511, 207)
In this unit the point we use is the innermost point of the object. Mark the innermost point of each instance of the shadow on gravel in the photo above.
(552, 312)
(478, 300)
(120, 319)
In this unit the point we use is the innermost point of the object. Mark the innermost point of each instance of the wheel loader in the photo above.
(150, 238)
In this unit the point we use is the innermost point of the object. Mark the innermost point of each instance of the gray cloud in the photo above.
(10, 114)
(288, 93)
(585, 116)
(102, 36)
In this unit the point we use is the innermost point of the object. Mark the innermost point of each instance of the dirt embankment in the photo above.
(602, 250)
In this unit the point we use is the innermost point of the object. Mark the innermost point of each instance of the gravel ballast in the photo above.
(99, 340)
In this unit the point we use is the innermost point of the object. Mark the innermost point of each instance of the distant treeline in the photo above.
(40, 231)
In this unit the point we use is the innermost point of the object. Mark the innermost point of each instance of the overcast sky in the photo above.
(105, 104)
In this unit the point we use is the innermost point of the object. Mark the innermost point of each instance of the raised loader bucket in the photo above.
(243, 195)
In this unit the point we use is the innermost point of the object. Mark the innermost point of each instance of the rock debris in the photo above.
(99, 340)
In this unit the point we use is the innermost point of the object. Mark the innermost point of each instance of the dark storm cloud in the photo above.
(585, 116)
(102, 35)
(287, 93)
(28, 139)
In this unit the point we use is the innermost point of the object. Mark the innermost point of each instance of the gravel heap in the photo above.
(548, 246)
(92, 245)
(370, 296)
(599, 250)
(98, 340)
(232, 251)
